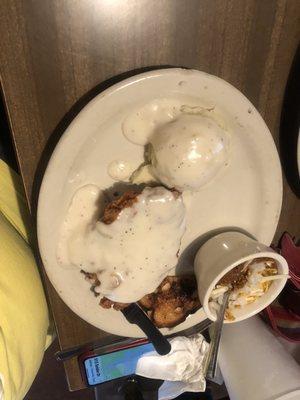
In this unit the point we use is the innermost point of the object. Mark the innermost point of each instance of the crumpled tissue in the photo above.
(182, 369)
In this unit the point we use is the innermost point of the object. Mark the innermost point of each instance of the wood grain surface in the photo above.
(57, 54)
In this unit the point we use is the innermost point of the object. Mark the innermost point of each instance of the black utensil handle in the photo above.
(135, 315)
(160, 343)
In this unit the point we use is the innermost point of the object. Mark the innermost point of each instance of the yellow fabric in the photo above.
(24, 317)
(12, 201)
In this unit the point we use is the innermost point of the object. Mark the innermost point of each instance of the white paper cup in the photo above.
(255, 365)
(222, 253)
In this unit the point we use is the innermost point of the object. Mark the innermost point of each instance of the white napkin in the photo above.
(182, 368)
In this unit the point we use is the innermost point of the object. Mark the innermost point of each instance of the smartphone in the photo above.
(100, 368)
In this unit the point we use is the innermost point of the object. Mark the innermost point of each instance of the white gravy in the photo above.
(132, 255)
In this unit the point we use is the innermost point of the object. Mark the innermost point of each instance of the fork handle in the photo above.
(211, 363)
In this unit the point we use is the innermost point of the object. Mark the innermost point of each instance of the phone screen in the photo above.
(106, 367)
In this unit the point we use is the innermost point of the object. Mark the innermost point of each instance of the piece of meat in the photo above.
(92, 278)
(113, 209)
(237, 277)
(147, 301)
(106, 303)
(174, 299)
(176, 296)
(168, 313)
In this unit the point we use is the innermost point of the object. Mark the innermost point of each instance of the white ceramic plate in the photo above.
(246, 194)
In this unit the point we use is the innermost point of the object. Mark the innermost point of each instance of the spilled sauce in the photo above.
(120, 170)
(140, 124)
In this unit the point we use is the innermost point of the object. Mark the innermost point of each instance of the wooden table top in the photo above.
(54, 53)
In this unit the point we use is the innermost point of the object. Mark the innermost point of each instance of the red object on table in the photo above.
(284, 314)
